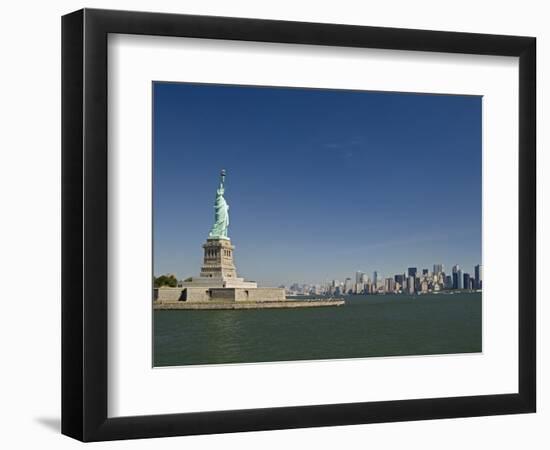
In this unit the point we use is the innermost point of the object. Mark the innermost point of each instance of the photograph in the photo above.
(301, 224)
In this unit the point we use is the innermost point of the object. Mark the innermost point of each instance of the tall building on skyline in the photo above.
(460, 279)
(410, 285)
(438, 268)
(466, 281)
(400, 278)
(348, 286)
(389, 285)
(478, 275)
(456, 268)
(411, 272)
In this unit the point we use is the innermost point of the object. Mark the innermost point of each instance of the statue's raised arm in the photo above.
(221, 212)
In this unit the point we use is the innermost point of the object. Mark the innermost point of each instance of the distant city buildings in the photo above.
(389, 285)
(411, 282)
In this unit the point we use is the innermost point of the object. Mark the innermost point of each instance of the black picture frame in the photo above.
(84, 224)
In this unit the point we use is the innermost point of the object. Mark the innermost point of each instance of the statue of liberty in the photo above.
(221, 212)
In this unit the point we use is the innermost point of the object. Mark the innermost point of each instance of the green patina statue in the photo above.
(221, 214)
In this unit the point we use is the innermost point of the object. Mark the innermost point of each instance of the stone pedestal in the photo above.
(194, 293)
(218, 268)
(218, 259)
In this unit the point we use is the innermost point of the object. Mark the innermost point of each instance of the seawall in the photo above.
(247, 305)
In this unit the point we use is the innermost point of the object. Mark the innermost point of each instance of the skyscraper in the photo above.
(399, 279)
(438, 268)
(375, 278)
(348, 287)
(478, 274)
(389, 285)
(359, 277)
(466, 281)
(410, 285)
(411, 272)
(456, 268)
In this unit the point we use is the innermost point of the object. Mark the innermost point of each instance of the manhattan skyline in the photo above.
(320, 183)
(447, 271)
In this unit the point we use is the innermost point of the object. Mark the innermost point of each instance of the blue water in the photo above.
(384, 325)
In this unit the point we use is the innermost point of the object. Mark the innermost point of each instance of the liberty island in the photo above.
(218, 285)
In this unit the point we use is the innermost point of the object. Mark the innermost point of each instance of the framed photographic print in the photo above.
(273, 224)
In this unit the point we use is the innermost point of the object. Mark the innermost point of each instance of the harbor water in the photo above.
(367, 326)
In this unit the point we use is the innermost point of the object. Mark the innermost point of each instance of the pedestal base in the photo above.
(194, 294)
(219, 282)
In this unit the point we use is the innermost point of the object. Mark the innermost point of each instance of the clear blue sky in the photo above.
(320, 183)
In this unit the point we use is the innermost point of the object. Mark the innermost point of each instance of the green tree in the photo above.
(168, 280)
